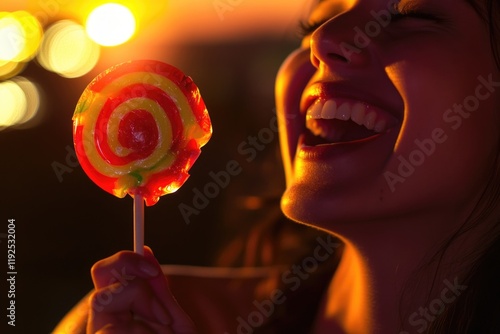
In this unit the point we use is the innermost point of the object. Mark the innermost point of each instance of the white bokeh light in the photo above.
(110, 24)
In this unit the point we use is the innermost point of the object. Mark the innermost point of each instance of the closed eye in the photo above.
(415, 15)
(322, 12)
(307, 28)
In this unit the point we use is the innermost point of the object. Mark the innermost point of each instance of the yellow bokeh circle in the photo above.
(20, 36)
(20, 102)
(67, 50)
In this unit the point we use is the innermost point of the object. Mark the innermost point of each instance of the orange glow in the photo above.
(222, 20)
(349, 299)
(298, 61)
(394, 75)
(252, 203)
(163, 24)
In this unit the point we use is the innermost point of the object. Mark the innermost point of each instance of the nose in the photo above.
(341, 41)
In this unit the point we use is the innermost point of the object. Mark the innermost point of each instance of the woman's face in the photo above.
(388, 109)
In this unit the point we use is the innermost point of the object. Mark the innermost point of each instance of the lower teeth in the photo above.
(337, 131)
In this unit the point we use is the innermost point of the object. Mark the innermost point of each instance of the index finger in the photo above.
(123, 267)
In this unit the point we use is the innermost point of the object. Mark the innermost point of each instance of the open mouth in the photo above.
(334, 121)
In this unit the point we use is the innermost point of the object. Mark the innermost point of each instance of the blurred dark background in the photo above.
(66, 223)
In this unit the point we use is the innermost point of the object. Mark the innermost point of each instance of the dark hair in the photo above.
(489, 10)
(477, 307)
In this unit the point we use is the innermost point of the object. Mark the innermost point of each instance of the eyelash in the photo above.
(414, 14)
(306, 28)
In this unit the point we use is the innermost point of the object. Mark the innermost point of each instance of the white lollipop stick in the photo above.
(139, 224)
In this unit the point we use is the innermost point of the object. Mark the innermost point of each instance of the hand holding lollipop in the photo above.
(138, 128)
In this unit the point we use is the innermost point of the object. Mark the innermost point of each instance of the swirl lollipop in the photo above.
(137, 129)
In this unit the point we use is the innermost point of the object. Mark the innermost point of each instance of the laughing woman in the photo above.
(396, 153)
(390, 136)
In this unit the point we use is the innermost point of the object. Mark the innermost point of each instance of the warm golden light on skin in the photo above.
(20, 36)
(348, 295)
(67, 50)
(110, 24)
(393, 74)
(292, 76)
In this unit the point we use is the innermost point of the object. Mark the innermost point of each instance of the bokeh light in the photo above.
(20, 36)
(110, 24)
(13, 103)
(12, 39)
(20, 102)
(8, 69)
(67, 50)
(33, 100)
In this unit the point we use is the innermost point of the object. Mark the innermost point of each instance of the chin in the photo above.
(327, 206)
(349, 210)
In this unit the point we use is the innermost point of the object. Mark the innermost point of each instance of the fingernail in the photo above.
(148, 268)
(160, 313)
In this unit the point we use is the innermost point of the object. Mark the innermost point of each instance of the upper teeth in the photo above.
(359, 112)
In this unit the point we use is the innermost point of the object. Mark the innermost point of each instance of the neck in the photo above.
(366, 292)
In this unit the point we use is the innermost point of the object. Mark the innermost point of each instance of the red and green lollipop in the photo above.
(138, 128)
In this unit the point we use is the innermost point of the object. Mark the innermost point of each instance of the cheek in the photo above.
(449, 139)
(291, 80)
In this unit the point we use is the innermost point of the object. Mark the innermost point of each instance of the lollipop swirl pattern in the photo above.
(138, 128)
